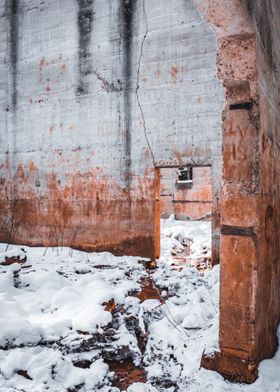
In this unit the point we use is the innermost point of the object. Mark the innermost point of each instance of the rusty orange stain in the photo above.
(97, 195)
(41, 64)
(174, 73)
(32, 167)
(20, 173)
(157, 73)
(177, 154)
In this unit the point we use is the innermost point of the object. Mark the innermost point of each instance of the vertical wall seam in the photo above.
(127, 15)
(13, 15)
(85, 21)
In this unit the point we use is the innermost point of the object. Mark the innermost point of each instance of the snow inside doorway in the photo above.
(186, 242)
(184, 207)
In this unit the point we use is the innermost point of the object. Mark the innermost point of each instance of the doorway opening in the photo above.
(184, 205)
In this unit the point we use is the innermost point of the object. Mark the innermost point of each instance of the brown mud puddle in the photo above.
(126, 373)
(148, 290)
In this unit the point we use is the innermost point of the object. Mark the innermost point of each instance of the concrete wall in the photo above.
(248, 65)
(94, 94)
(186, 201)
(78, 146)
(266, 16)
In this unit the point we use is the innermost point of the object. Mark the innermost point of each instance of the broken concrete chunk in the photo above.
(13, 256)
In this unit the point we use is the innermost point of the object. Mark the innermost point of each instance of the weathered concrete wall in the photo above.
(77, 156)
(248, 65)
(187, 201)
(266, 16)
(95, 94)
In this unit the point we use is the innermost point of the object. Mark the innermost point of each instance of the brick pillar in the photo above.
(239, 252)
(239, 235)
(240, 192)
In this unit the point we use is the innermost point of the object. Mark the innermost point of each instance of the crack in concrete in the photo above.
(137, 84)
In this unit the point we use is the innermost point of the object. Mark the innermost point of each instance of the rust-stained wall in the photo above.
(94, 94)
(266, 16)
(187, 201)
(248, 65)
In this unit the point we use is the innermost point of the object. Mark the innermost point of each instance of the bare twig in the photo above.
(13, 227)
(169, 317)
(45, 251)
(73, 240)
(210, 294)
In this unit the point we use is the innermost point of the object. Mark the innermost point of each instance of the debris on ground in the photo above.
(12, 256)
(77, 321)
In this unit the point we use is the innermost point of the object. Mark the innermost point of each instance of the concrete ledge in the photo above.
(232, 368)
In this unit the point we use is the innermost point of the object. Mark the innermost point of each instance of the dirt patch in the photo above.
(148, 290)
(126, 373)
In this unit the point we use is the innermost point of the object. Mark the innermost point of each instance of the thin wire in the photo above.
(177, 325)
(174, 325)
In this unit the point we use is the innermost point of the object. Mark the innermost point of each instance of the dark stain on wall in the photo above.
(13, 13)
(237, 231)
(127, 10)
(241, 105)
(85, 21)
(269, 224)
(267, 31)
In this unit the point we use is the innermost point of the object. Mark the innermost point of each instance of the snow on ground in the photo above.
(58, 334)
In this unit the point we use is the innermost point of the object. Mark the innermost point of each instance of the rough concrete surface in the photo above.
(96, 96)
(77, 154)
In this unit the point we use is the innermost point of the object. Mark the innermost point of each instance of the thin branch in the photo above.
(210, 294)
(177, 325)
(13, 223)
